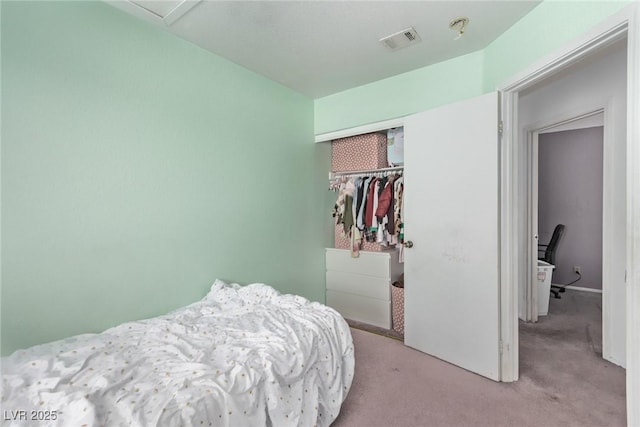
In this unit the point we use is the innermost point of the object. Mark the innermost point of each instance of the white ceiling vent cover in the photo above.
(401, 39)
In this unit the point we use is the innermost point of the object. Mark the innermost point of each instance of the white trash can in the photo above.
(545, 271)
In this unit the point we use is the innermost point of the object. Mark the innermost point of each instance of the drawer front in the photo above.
(369, 263)
(361, 309)
(367, 286)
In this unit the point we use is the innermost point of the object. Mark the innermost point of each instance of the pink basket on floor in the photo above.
(397, 309)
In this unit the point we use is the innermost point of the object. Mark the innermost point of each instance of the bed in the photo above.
(242, 356)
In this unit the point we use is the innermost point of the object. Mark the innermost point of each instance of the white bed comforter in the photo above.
(243, 356)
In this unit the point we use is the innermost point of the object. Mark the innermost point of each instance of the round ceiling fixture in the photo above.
(459, 25)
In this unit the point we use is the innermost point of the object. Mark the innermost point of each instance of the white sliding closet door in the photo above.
(451, 216)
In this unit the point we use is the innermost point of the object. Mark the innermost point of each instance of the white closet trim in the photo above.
(360, 130)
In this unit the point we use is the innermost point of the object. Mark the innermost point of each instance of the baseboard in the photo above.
(579, 288)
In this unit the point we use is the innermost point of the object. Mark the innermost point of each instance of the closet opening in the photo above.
(364, 268)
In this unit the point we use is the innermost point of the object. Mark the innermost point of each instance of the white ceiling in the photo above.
(323, 47)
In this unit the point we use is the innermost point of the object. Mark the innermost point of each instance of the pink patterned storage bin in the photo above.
(361, 152)
(342, 242)
(397, 309)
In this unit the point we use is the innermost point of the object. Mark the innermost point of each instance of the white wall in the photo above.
(597, 82)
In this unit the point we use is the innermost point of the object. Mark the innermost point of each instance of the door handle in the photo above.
(535, 236)
(408, 244)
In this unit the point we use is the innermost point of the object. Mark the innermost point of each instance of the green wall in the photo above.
(545, 29)
(401, 95)
(548, 27)
(137, 168)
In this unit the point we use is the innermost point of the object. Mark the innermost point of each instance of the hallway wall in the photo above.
(570, 193)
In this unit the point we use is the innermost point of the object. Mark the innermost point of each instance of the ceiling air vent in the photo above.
(401, 39)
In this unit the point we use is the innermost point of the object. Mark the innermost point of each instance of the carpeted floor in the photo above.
(563, 379)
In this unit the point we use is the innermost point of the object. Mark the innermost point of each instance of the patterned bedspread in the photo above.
(242, 356)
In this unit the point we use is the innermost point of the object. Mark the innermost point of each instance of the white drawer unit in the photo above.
(359, 288)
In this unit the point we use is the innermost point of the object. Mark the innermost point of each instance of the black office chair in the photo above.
(547, 253)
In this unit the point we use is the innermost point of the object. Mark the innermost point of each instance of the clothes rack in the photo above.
(371, 172)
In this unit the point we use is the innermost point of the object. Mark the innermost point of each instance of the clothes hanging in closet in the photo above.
(370, 209)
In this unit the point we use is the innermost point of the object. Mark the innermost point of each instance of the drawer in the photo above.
(372, 264)
(361, 309)
(372, 287)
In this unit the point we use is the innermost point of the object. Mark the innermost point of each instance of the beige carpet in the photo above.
(563, 379)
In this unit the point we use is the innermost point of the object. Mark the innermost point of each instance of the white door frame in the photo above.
(624, 23)
(531, 284)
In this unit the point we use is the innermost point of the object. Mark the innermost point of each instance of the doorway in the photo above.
(595, 84)
(567, 182)
(570, 188)
(516, 237)
(566, 200)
